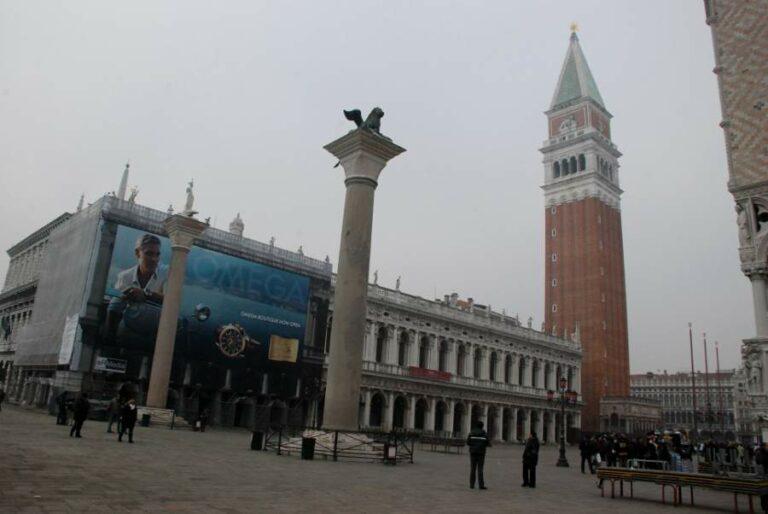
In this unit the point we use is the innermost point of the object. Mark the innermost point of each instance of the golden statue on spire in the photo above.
(574, 26)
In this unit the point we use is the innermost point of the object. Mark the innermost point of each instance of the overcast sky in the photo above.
(242, 96)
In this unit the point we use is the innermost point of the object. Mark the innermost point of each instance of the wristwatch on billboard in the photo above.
(233, 340)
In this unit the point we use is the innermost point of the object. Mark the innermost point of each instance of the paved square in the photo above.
(43, 470)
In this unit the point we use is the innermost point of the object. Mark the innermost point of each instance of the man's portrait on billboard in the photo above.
(136, 312)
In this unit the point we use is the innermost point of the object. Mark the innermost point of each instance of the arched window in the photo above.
(381, 344)
(460, 359)
(494, 366)
(443, 356)
(610, 173)
(535, 374)
(556, 170)
(582, 162)
(478, 358)
(573, 165)
(521, 371)
(564, 166)
(507, 369)
(402, 348)
(424, 352)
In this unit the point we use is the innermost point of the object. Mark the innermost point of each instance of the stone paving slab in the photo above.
(43, 470)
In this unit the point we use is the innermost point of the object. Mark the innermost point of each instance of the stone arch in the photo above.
(440, 409)
(420, 418)
(520, 434)
(378, 403)
(459, 411)
(476, 415)
(398, 414)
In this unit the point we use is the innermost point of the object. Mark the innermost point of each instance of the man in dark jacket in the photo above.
(586, 454)
(80, 414)
(477, 441)
(530, 460)
(128, 415)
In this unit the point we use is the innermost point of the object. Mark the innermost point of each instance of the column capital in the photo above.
(183, 230)
(363, 154)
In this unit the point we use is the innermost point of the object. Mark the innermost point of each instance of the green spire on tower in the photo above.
(576, 81)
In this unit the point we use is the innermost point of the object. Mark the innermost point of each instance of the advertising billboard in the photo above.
(233, 312)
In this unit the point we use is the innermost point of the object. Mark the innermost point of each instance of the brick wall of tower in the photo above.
(590, 291)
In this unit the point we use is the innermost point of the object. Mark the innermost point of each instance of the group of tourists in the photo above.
(478, 441)
(120, 411)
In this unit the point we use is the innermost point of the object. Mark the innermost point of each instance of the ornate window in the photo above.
(556, 170)
(478, 359)
(573, 165)
(564, 166)
(424, 352)
(381, 344)
(582, 162)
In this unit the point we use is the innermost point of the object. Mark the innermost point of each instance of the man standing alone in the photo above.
(477, 441)
(530, 460)
(128, 415)
(80, 413)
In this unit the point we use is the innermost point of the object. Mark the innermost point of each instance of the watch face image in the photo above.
(231, 340)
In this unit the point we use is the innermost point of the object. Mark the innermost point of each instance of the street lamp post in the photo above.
(562, 461)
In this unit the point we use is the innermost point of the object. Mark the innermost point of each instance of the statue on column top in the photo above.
(376, 277)
(188, 211)
(397, 283)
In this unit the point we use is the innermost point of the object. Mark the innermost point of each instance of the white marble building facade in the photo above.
(435, 366)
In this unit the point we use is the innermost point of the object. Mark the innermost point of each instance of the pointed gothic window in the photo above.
(582, 162)
(573, 165)
(556, 170)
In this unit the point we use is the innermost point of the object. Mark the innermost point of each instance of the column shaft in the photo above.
(166, 333)
(761, 305)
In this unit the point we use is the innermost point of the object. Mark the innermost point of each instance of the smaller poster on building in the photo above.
(68, 338)
(110, 365)
(283, 349)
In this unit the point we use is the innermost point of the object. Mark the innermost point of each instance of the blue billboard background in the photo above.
(263, 300)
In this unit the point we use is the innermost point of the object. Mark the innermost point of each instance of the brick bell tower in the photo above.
(584, 258)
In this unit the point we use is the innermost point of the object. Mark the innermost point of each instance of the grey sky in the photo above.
(242, 95)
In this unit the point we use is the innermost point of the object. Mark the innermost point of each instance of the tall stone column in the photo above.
(527, 423)
(389, 411)
(484, 416)
(413, 349)
(448, 422)
(760, 303)
(551, 427)
(498, 421)
(366, 421)
(182, 230)
(467, 420)
(513, 425)
(362, 154)
(411, 421)
(429, 425)
(515, 369)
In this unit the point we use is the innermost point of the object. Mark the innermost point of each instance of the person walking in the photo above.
(586, 455)
(128, 415)
(113, 411)
(477, 441)
(80, 414)
(61, 403)
(530, 460)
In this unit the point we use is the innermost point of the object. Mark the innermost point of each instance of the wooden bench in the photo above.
(749, 486)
